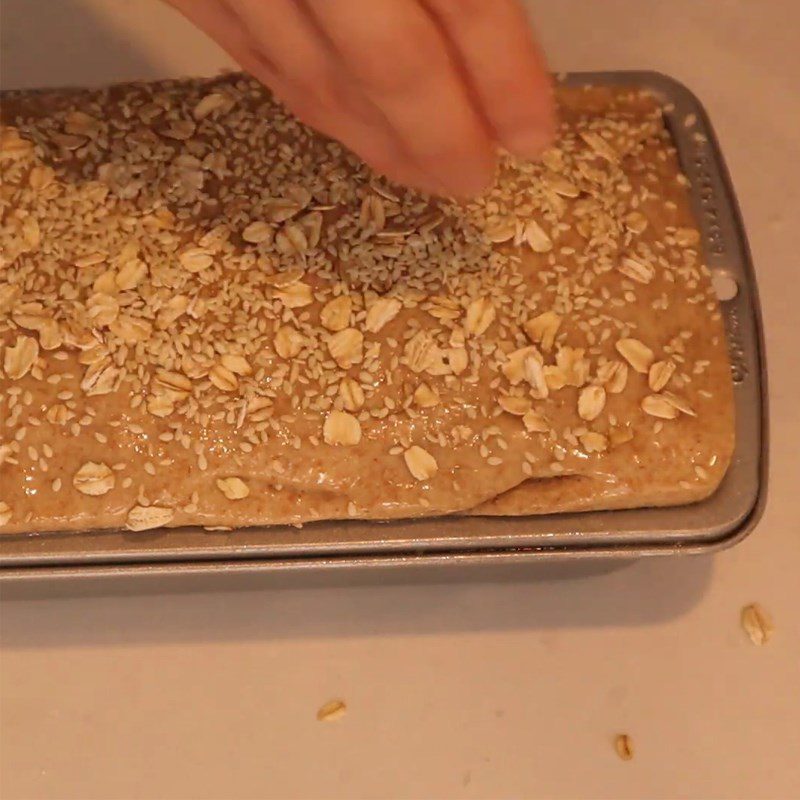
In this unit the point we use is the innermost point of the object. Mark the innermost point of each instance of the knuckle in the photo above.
(464, 11)
(317, 89)
(394, 61)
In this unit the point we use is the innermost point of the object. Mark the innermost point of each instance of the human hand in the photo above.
(422, 90)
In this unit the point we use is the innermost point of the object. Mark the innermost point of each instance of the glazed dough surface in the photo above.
(210, 315)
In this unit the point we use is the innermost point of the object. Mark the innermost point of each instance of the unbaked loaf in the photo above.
(210, 315)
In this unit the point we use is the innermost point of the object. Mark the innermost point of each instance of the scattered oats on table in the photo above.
(624, 746)
(332, 710)
(757, 623)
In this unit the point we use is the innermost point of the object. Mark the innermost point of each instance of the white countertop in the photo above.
(464, 689)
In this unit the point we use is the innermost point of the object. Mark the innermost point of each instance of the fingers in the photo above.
(373, 141)
(281, 32)
(396, 55)
(421, 89)
(314, 86)
(331, 107)
(504, 67)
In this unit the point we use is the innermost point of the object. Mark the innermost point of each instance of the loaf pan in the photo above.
(721, 520)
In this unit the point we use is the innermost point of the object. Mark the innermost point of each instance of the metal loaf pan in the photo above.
(719, 521)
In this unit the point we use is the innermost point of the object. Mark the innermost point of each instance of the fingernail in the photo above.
(529, 141)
